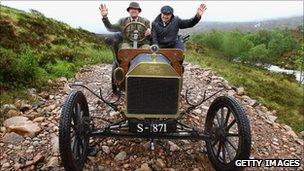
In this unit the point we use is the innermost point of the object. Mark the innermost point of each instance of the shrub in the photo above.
(7, 65)
(259, 54)
(27, 67)
(61, 69)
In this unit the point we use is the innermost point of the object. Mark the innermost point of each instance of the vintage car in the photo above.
(151, 80)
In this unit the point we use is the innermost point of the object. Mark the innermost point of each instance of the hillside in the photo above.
(205, 26)
(46, 44)
(51, 48)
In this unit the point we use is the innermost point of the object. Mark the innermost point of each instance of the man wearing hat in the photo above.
(133, 10)
(165, 27)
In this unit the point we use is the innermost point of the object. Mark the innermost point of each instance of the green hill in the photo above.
(34, 48)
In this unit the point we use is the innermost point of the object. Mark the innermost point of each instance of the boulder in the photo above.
(121, 156)
(240, 91)
(22, 125)
(12, 138)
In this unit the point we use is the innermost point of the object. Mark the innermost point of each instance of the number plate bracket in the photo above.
(152, 126)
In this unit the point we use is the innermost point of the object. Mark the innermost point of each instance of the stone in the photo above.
(173, 146)
(121, 156)
(144, 167)
(105, 149)
(113, 113)
(36, 143)
(12, 138)
(62, 79)
(293, 134)
(52, 163)
(160, 163)
(23, 106)
(5, 108)
(44, 95)
(39, 119)
(3, 129)
(300, 141)
(301, 134)
(240, 91)
(31, 91)
(231, 92)
(5, 166)
(16, 166)
(55, 144)
(12, 113)
(272, 118)
(21, 125)
(198, 111)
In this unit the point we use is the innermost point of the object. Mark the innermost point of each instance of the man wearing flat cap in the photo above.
(166, 25)
(134, 10)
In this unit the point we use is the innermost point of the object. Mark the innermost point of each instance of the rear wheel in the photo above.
(74, 131)
(229, 128)
(113, 84)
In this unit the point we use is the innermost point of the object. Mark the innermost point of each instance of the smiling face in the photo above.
(133, 12)
(166, 17)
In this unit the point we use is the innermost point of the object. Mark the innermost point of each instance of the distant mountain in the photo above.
(290, 22)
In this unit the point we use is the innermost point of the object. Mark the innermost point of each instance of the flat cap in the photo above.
(166, 9)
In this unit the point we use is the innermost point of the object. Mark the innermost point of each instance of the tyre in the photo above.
(229, 128)
(113, 84)
(74, 131)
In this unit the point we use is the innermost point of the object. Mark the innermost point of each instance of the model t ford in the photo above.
(151, 80)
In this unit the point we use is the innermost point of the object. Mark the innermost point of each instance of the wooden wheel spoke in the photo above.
(80, 141)
(223, 152)
(228, 151)
(215, 142)
(219, 150)
(231, 124)
(222, 116)
(232, 134)
(231, 144)
(218, 120)
(227, 117)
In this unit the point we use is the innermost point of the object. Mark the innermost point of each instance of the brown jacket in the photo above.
(118, 27)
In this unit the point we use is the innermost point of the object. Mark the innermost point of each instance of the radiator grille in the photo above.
(147, 95)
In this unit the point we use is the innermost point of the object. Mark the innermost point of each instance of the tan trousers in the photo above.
(129, 46)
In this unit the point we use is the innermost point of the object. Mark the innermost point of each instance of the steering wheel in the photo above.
(133, 28)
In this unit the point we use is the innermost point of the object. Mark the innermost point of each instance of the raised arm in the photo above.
(110, 27)
(187, 23)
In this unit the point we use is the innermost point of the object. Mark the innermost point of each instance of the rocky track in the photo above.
(29, 138)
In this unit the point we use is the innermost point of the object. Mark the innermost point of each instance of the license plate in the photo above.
(136, 126)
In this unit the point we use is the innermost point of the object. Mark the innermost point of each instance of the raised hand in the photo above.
(201, 9)
(103, 10)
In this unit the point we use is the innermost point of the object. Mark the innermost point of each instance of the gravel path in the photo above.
(269, 138)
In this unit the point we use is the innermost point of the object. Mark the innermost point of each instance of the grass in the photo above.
(34, 49)
(275, 91)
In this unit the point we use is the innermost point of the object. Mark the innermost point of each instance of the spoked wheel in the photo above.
(113, 84)
(74, 132)
(229, 128)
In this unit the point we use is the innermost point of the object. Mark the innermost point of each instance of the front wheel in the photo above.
(229, 128)
(74, 131)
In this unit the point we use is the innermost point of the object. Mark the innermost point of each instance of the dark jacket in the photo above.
(166, 36)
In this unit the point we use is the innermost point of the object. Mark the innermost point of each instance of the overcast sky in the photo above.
(86, 14)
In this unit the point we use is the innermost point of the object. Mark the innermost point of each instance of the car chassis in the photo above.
(224, 114)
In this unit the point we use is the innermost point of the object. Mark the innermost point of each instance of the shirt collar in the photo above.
(136, 19)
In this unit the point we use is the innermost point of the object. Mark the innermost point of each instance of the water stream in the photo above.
(296, 73)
